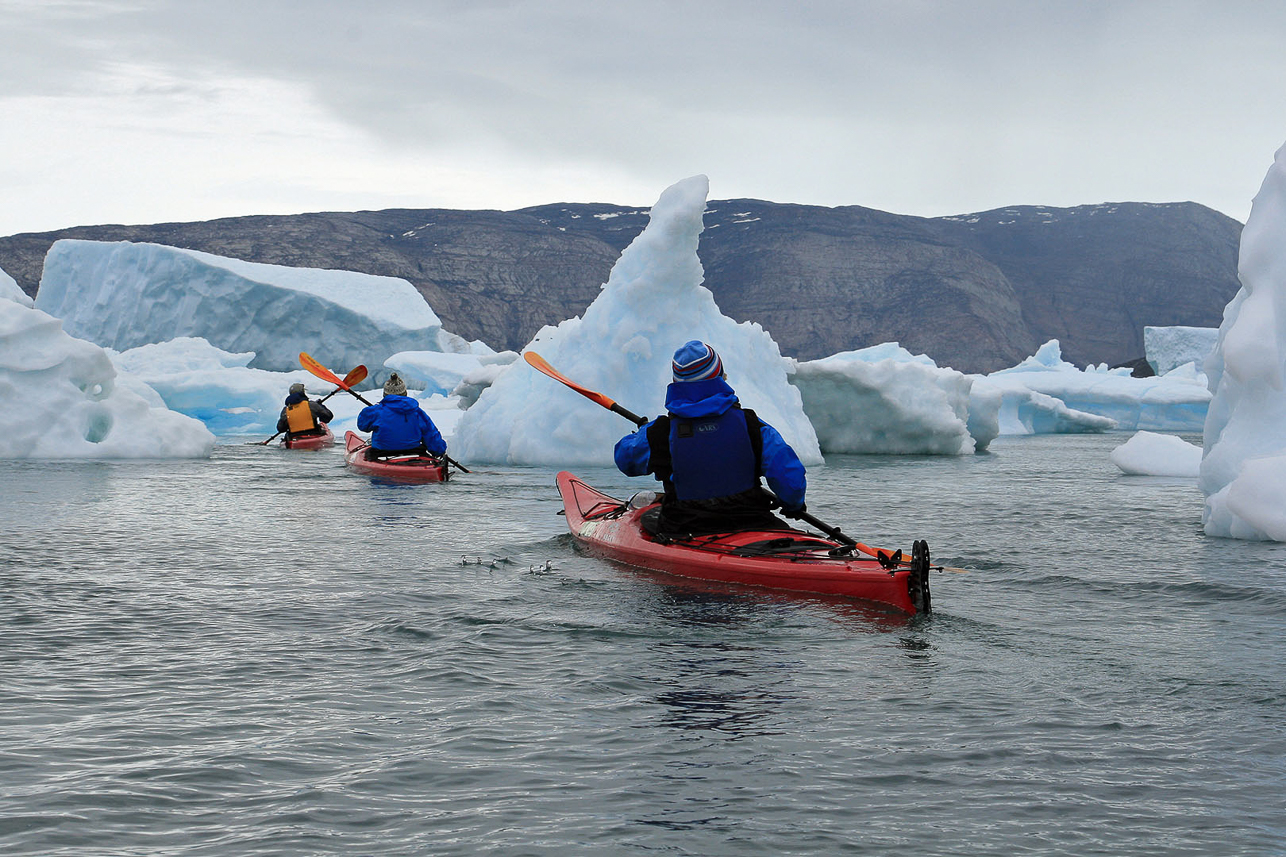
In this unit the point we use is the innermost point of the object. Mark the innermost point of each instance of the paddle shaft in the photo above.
(540, 364)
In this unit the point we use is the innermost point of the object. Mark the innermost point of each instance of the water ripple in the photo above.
(263, 655)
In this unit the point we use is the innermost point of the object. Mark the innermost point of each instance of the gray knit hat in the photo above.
(394, 386)
(297, 388)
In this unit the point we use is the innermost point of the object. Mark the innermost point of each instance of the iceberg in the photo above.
(885, 400)
(1176, 401)
(1014, 409)
(1151, 454)
(652, 303)
(1243, 469)
(60, 397)
(1168, 348)
(219, 388)
(123, 295)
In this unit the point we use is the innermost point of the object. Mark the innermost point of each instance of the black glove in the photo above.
(796, 512)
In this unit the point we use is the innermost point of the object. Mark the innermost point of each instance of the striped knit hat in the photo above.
(696, 361)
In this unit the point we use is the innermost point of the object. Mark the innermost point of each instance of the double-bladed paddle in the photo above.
(356, 376)
(542, 365)
(325, 374)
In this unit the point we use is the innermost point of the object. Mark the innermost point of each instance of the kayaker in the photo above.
(709, 453)
(301, 415)
(398, 425)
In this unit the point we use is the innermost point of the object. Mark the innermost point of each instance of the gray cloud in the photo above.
(830, 102)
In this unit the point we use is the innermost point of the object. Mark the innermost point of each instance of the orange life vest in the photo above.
(299, 418)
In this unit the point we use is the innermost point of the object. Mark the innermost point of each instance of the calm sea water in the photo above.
(264, 654)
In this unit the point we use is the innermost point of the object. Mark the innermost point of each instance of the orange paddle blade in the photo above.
(540, 364)
(320, 371)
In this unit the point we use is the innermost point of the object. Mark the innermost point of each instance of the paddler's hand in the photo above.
(796, 512)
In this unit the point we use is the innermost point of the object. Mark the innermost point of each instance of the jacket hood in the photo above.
(295, 398)
(706, 398)
(399, 404)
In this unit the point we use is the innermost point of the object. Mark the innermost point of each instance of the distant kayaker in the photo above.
(301, 415)
(398, 425)
(709, 453)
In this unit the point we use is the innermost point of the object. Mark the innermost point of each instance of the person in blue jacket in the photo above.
(398, 425)
(709, 453)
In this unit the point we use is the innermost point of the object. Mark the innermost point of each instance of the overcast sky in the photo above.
(142, 111)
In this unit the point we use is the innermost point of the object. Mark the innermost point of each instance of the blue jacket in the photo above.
(397, 422)
(693, 399)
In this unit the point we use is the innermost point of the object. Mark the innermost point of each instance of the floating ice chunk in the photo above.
(60, 398)
(1151, 454)
(1176, 401)
(652, 303)
(1243, 470)
(1167, 348)
(884, 399)
(1016, 409)
(123, 295)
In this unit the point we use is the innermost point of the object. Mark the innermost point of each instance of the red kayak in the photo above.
(781, 559)
(320, 440)
(404, 468)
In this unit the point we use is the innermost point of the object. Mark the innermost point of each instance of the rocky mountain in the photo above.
(976, 292)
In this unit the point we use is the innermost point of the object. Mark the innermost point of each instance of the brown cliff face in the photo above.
(861, 278)
(1094, 276)
(977, 292)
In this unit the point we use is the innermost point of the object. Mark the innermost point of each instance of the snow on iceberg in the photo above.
(1243, 471)
(9, 290)
(1168, 348)
(1176, 401)
(60, 398)
(652, 303)
(883, 399)
(123, 295)
(1151, 454)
